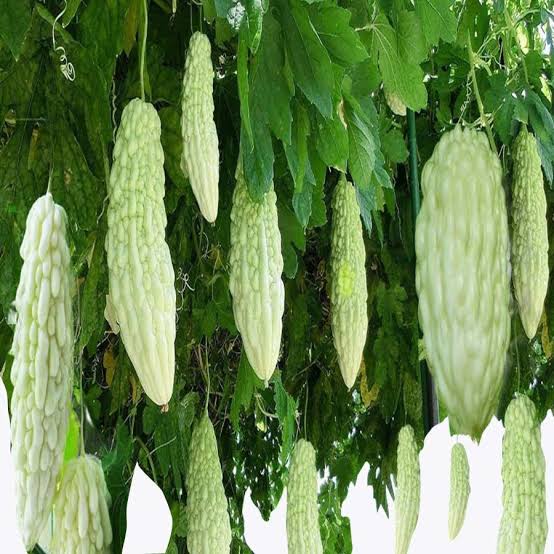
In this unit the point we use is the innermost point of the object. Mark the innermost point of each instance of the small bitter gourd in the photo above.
(530, 233)
(142, 299)
(408, 489)
(395, 103)
(81, 511)
(303, 534)
(463, 277)
(459, 489)
(256, 265)
(524, 525)
(42, 368)
(348, 284)
(200, 159)
(209, 527)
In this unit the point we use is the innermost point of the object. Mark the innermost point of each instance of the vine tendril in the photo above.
(66, 67)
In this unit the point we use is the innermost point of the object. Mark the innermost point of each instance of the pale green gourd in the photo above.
(348, 282)
(459, 489)
(530, 232)
(463, 277)
(200, 159)
(408, 489)
(303, 534)
(42, 370)
(142, 299)
(209, 528)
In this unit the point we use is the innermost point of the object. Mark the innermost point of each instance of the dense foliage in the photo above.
(300, 86)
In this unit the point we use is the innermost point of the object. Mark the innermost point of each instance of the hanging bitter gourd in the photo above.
(524, 525)
(348, 284)
(142, 299)
(200, 159)
(408, 489)
(530, 233)
(303, 534)
(209, 528)
(256, 265)
(42, 368)
(459, 489)
(463, 277)
(81, 512)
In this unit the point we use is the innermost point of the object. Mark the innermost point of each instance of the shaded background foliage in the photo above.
(300, 84)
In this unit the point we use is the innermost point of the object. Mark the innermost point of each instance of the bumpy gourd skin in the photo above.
(459, 489)
(303, 534)
(209, 528)
(408, 489)
(81, 511)
(530, 232)
(524, 525)
(348, 281)
(142, 298)
(463, 277)
(256, 265)
(42, 367)
(395, 103)
(200, 160)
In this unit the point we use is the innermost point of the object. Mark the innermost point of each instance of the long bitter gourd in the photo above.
(42, 367)
(459, 489)
(463, 277)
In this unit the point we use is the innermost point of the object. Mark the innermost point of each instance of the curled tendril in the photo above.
(66, 67)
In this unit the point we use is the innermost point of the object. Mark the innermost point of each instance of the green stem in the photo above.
(148, 457)
(478, 95)
(143, 49)
(430, 405)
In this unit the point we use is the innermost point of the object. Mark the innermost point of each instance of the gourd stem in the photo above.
(478, 95)
(143, 49)
(430, 405)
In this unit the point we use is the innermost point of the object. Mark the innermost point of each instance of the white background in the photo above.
(149, 520)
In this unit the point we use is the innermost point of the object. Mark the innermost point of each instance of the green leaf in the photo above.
(399, 75)
(332, 141)
(437, 19)
(255, 17)
(292, 236)
(242, 81)
(15, 20)
(71, 449)
(412, 45)
(172, 142)
(257, 159)
(70, 11)
(285, 408)
(394, 146)
(361, 159)
(247, 383)
(308, 58)
(341, 41)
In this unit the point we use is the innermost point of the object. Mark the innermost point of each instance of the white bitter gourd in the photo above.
(42, 368)
(408, 489)
(200, 160)
(81, 511)
(209, 528)
(256, 265)
(303, 534)
(348, 281)
(142, 299)
(459, 489)
(524, 525)
(530, 232)
(463, 277)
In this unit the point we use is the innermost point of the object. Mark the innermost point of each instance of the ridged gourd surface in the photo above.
(395, 103)
(256, 265)
(142, 298)
(524, 525)
(209, 528)
(200, 159)
(530, 232)
(463, 277)
(459, 489)
(42, 369)
(406, 503)
(348, 290)
(303, 534)
(81, 512)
